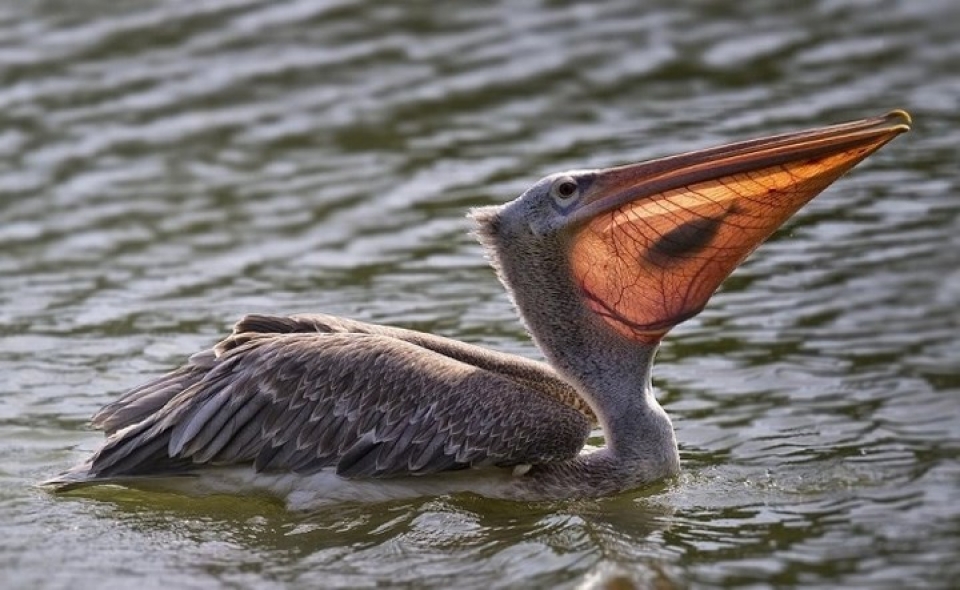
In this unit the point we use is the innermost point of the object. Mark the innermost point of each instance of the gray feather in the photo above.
(304, 393)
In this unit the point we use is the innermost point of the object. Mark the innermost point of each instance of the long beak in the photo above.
(653, 241)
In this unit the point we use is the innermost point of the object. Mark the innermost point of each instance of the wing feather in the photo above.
(368, 404)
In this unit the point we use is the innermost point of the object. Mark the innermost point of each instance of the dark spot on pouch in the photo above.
(685, 240)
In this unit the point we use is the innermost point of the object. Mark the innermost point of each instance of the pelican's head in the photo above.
(646, 245)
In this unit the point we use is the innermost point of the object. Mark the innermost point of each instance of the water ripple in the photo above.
(168, 166)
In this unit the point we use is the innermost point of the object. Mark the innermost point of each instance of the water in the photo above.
(167, 166)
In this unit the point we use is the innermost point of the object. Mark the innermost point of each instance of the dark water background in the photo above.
(167, 166)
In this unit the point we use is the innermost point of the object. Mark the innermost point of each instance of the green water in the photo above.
(166, 167)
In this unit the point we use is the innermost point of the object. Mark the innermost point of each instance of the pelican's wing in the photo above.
(534, 374)
(139, 403)
(369, 405)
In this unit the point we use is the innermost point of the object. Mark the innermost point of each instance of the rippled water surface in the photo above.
(166, 167)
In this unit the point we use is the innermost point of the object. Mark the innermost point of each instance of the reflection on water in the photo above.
(168, 166)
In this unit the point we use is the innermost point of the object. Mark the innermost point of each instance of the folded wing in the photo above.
(367, 404)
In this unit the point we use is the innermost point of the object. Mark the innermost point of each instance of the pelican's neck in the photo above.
(613, 376)
(610, 372)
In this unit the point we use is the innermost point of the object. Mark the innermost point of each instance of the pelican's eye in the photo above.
(565, 192)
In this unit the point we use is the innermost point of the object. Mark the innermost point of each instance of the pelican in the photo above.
(600, 265)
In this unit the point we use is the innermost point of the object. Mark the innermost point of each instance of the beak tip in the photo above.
(899, 118)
